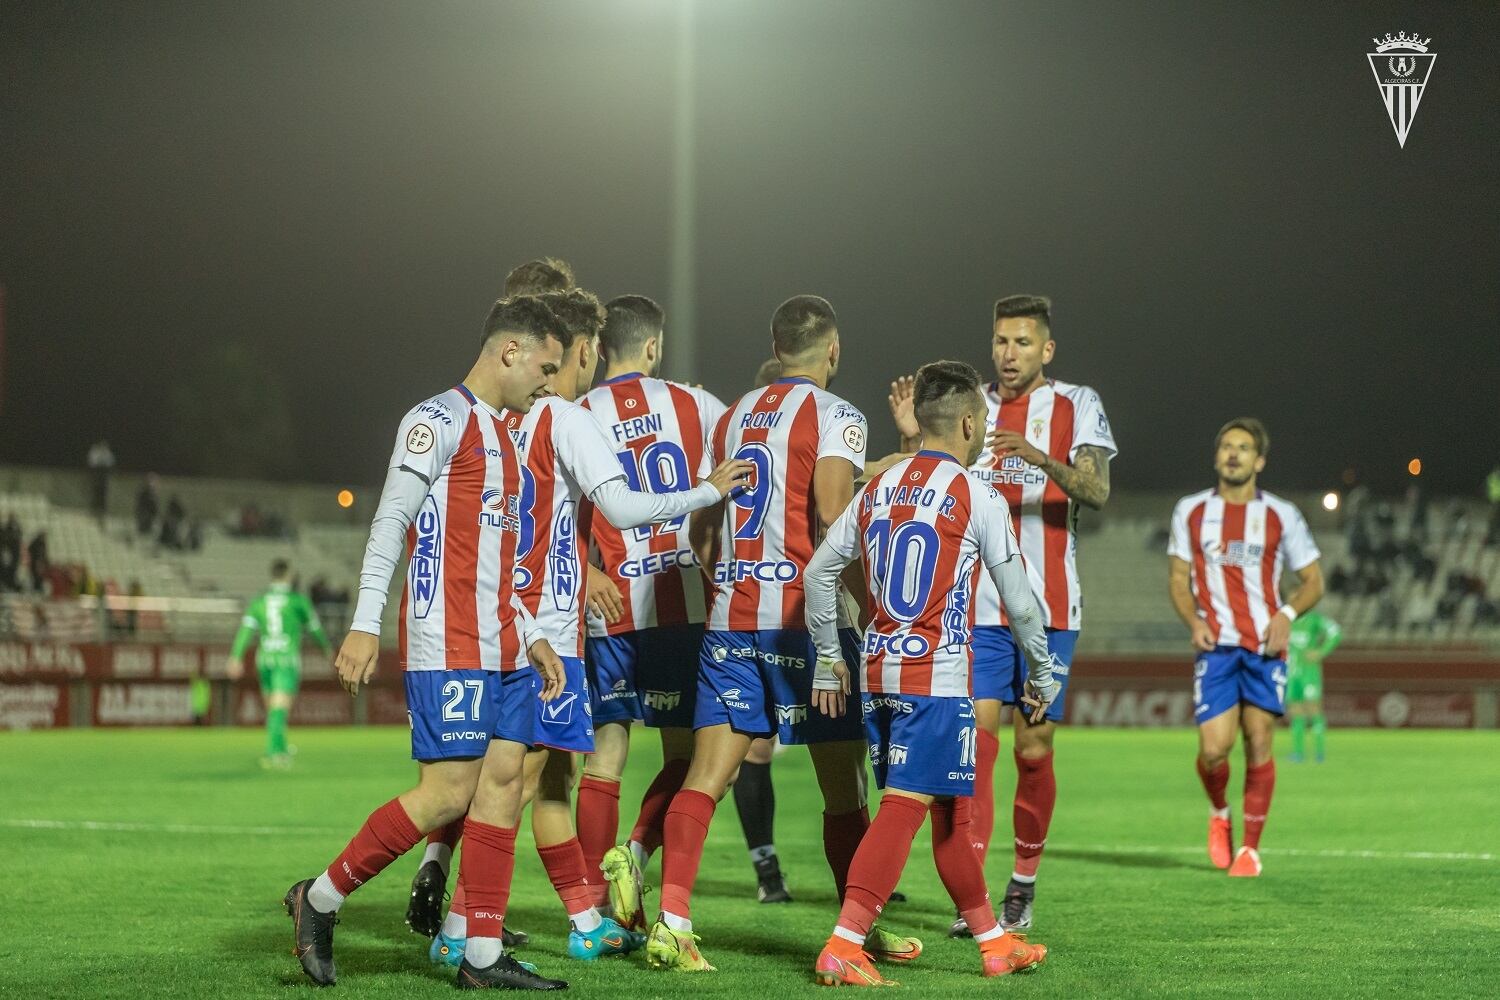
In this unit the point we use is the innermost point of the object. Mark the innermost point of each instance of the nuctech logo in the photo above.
(1402, 65)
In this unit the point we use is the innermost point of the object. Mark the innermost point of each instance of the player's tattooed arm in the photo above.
(1086, 479)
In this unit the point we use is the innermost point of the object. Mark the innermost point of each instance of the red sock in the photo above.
(878, 863)
(598, 824)
(958, 864)
(386, 835)
(1036, 794)
(485, 869)
(459, 904)
(448, 834)
(565, 867)
(650, 824)
(842, 833)
(1260, 782)
(1215, 782)
(982, 815)
(686, 830)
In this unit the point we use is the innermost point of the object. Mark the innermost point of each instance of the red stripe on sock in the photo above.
(485, 868)
(650, 824)
(1036, 794)
(842, 833)
(565, 867)
(598, 826)
(1215, 782)
(879, 861)
(387, 834)
(686, 829)
(1260, 782)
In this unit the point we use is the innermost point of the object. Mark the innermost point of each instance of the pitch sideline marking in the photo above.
(103, 826)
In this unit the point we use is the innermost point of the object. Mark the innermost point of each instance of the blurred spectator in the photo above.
(1492, 490)
(147, 505)
(132, 616)
(101, 464)
(36, 554)
(10, 554)
(1421, 609)
(171, 524)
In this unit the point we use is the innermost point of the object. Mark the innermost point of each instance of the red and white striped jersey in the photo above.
(1057, 418)
(566, 457)
(927, 530)
(457, 611)
(770, 528)
(1237, 552)
(659, 432)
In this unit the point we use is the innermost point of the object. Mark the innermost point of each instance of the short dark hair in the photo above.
(578, 313)
(280, 568)
(545, 274)
(525, 316)
(1249, 425)
(630, 321)
(1037, 306)
(800, 323)
(769, 371)
(944, 392)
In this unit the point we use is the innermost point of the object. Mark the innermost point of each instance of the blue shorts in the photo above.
(651, 674)
(567, 721)
(1000, 669)
(760, 683)
(452, 712)
(516, 695)
(1230, 675)
(921, 743)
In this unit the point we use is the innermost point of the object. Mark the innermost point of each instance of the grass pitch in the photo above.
(151, 863)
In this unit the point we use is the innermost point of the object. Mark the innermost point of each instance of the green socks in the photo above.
(276, 731)
(1319, 728)
(1299, 730)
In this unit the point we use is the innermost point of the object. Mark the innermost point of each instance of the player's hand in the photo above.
(1203, 636)
(831, 703)
(1007, 442)
(356, 660)
(730, 475)
(1278, 635)
(544, 659)
(1036, 700)
(903, 410)
(234, 668)
(604, 597)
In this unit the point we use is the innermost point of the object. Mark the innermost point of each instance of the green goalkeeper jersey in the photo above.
(1313, 637)
(278, 618)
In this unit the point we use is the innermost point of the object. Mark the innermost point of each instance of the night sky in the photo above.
(332, 192)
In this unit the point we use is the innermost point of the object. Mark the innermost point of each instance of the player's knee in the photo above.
(760, 752)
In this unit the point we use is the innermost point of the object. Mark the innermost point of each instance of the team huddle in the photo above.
(583, 559)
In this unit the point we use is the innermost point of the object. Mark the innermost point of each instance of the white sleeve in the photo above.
(842, 434)
(1090, 425)
(1025, 618)
(530, 630)
(997, 542)
(1297, 542)
(585, 448)
(627, 509)
(425, 441)
(820, 586)
(1179, 543)
(400, 500)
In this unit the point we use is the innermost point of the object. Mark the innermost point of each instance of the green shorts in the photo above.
(279, 676)
(1305, 683)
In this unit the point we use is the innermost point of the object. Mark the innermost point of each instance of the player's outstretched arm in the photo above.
(1026, 626)
(1085, 479)
(820, 584)
(627, 508)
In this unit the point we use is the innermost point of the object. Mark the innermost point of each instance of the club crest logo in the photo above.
(1402, 65)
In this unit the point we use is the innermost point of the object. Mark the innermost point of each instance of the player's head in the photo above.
(580, 316)
(805, 335)
(634, 327)
(522, 350)
(545, 274)
(1022, 341)
(950, 408)
(281, 571)
(769, 371)
(1240, 451)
